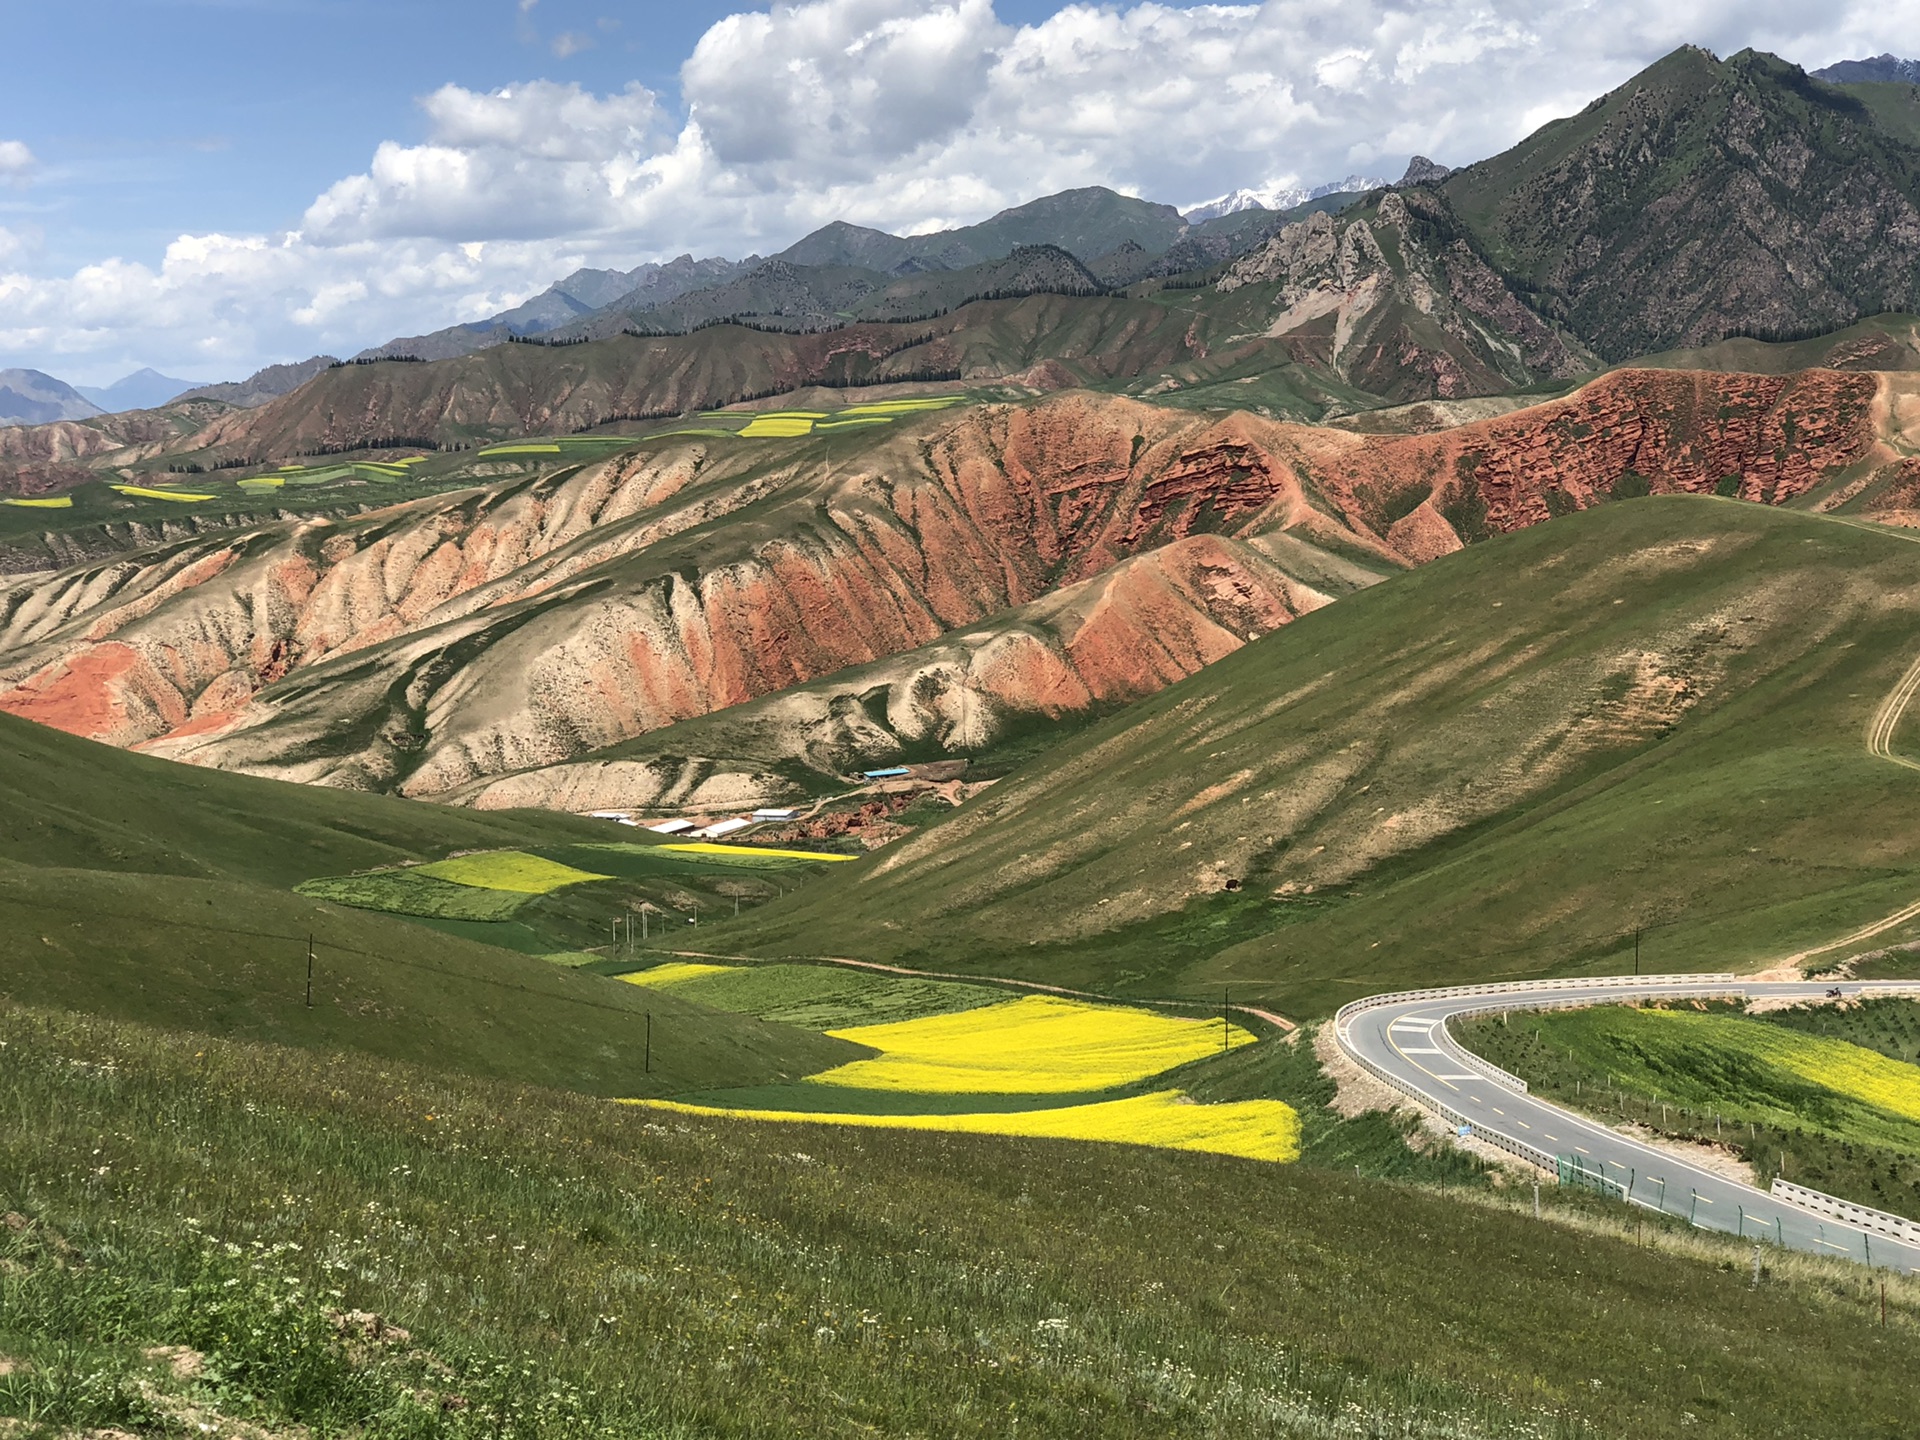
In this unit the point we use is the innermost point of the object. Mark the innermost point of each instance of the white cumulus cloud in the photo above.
(16, 160)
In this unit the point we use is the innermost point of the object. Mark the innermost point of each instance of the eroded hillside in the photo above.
(432, 645)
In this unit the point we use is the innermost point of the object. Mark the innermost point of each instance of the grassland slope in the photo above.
(139, 888)
(1643, 716)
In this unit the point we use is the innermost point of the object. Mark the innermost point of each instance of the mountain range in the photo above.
(1278, 197)
(28, 397)
(144, 389)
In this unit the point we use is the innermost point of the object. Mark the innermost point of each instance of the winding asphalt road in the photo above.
(1403, 1040)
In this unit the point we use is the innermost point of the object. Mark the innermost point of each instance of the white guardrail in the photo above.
(1861, 1217)
(1574, 993)
(1567, 994)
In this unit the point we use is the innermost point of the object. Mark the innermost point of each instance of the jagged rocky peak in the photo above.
(1395, 293)
(1318, 253)
(1422, 171)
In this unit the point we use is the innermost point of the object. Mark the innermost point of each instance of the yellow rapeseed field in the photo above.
(709, 847)
(1851, 1070)
(56, 502)
(1040, 1045)
(511, 870)
(146, 493)
(673, 973)
(1251, 1129)
(777, 426)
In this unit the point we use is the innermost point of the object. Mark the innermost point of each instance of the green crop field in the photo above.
(1648, 717)
(565, 1268)
(414, 892)
(568, 898)
(1792, 1092)
(825, 997)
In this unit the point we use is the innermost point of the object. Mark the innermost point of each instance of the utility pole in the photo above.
(309, 972)
(1226, 1025)
(643, 922)
(649, 1063)
(1636, 950)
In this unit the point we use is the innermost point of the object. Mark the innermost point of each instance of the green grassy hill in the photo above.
(561, 1268)
(139, 888)
(1649, 715)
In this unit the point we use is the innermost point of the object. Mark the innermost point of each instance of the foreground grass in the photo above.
(1822, 1095)
(573, 1268)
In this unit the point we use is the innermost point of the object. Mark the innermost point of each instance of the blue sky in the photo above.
(207, 186)
(154, 118)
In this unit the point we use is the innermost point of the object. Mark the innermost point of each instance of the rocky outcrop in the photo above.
(1395, 299)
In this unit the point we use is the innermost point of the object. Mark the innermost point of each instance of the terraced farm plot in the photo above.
(793, 424)
(145, 492)
(699, 857)
(1038, 1045)
(818, 997)
(412, 892)
(490, 887)
(511, 870)
(1167, 1119)
(778, 427)
(584, 446)
(965, 1058)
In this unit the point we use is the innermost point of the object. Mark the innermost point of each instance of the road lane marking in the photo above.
(1421, 1050)
(1583, 1150)
(1416, 1064)
(1554, 1138)
(1498, 1111)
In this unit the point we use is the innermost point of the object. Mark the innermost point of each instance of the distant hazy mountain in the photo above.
(145, 389)
(262, 385)
(1279, 197)
(1880, 68)
(581, 293)
(27, 397)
